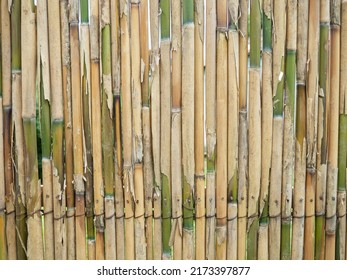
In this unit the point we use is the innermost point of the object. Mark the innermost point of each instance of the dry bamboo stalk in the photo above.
(289, 131)
(254, 134)
(119, 195)
(199, 130)
(266, 131)
(3, 245)
(7, 111)
(165, 124)
(146, 128)
(221, 129)
(127, 131)
(210, 127)
(33, 188)
(96, 130)
(155, 126)
(333, 137)
(77, 132)
(300, 143)
(279, 36)
(107, 131)
(18, 133)
(176, 133)
(323, 100)
(59, 203)
(311, 121)
(44, 86)
(66, 86)
(243, 139)
(139, 223)
(233, 118)
(342, 152)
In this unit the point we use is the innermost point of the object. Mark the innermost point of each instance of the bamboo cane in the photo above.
(243, 139)
(324, 34)
(107, 130)
(67, 114)
(210, 127)
(254, 135)
(127, 131)
(33, 188)
(333, 137)
(18, 136)
(77, 132)
(57, 127)
(176, 133)
(140, 241)
(155, 126)
(277, 130)
(96, 130)
(146, 128)
(44, 83)
(165, 117)
(221, 129)
(7, 111)
(289, 131)
(87, 139)
(233, 118)
(311, 121)
(342, 148)
(300, 136)
(266, 131)
(199, 129)
(3, 246)
(116, 85)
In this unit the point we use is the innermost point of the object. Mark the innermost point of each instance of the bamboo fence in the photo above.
(173, 129)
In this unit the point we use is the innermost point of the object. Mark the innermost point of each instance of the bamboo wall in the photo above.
(173, 129)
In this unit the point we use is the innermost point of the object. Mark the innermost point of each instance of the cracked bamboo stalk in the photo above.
(332, 197)
(87, 134)
(139, 222)
(67, 114)
(7, 116)
(107, 130)
(199, 130)
(127, 130)
(342, 149)
(233, 119)
(3, 246)
(33, 188)
(96, 130)
(165, 124)
(323, 106)
(77, 132)
(146, 130)
(243, 137)
(116, 85)
(300, 136)
(155, 126)
(221, 128)
(311, 129)
(176, 133)
(18, 133)
(210, 127)
(266, 132)
(289, 131)
(45, 122)
(254, 133)
(279, 36)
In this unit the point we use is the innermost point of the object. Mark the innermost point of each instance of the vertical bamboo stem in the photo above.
(176, 133)
(210, 127)
(67, 114)
(243, 138)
